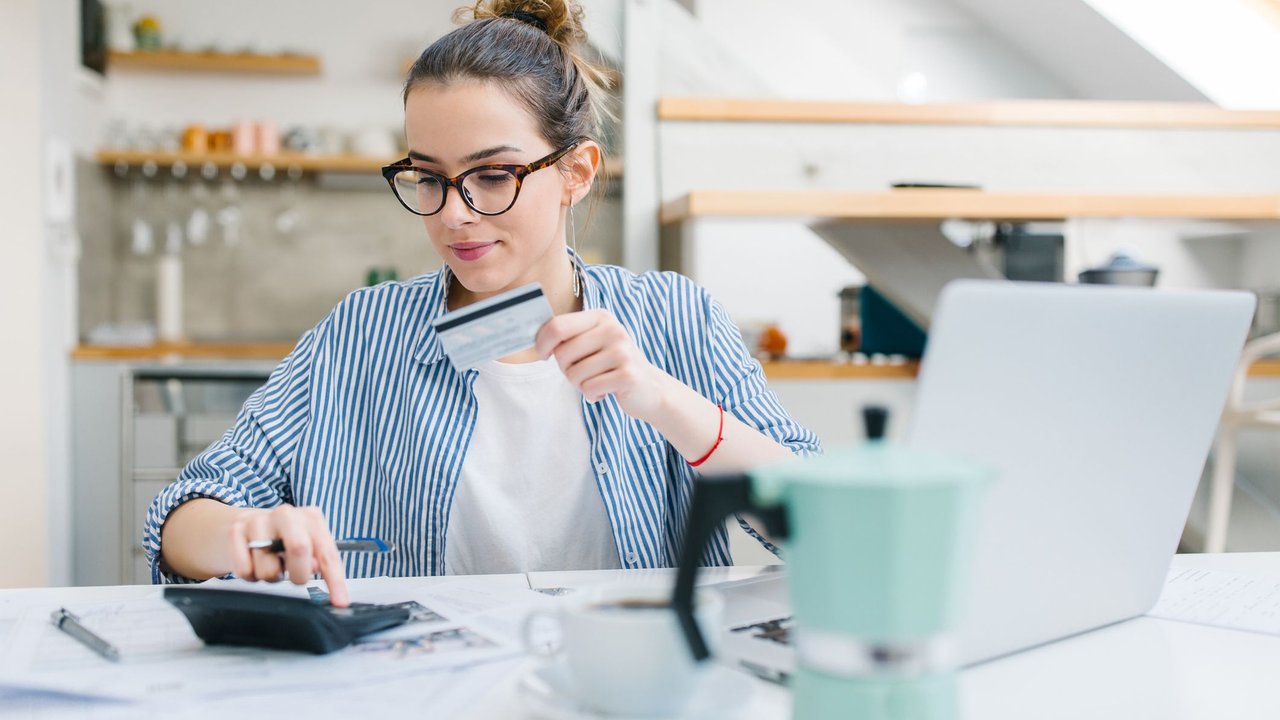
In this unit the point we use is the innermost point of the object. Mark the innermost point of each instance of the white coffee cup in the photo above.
(623, 646)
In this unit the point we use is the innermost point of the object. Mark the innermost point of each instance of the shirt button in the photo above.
(632, 558)
(601, 468)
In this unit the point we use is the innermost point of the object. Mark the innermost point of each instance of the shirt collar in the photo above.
(429, 349)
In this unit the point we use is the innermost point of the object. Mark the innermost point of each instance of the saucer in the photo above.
(548, 692)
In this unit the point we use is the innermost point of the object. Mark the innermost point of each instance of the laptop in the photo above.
(1098, 406)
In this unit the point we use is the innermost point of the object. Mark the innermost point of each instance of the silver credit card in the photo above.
(494, 327)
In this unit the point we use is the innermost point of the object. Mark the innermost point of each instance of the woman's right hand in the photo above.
(309, 548)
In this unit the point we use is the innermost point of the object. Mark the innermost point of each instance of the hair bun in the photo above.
(529, 18)
(561, 19)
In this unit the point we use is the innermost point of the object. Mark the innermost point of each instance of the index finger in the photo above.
(330, 563)
(333, 573)
(561, 328)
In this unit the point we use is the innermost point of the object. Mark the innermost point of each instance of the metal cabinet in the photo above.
(134, 428)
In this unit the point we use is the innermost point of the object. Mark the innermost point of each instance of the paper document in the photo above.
(140, 629)
(460, 624)
(1221, 599)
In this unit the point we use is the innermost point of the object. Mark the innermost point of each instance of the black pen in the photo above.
(363, 544)
(70, 624)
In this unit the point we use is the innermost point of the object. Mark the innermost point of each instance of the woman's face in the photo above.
(455, 127)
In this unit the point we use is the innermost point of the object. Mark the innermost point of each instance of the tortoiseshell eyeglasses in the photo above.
(487, 189)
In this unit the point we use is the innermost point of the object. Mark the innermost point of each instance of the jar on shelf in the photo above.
(195, 138)
(773, 343)
(146, 33)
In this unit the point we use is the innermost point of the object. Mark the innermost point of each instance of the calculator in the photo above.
(236, 617)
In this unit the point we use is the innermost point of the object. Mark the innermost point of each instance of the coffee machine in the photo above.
(877, 541)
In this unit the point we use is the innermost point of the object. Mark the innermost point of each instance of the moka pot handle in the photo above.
(715, 497)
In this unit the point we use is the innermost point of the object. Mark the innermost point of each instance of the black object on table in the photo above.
(234, 617)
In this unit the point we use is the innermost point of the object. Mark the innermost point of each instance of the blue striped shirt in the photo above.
(369, 421)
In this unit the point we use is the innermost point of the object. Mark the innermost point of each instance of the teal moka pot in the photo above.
(877, 541)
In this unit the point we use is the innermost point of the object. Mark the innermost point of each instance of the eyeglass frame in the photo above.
(519, 172)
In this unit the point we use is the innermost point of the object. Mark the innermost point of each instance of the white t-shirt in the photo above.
(527, 498)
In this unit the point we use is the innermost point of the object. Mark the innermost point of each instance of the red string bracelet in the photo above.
(719, 437)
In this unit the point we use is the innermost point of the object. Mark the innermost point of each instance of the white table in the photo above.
(1138, 669)
(1142, 668)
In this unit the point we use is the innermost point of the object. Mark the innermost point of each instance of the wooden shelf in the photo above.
(830, 370)
(190, 350)
(309, 163)
(929, 204)
(238, 63)
(1032, 113)
(1267, 367)
(781, 370)
(776, 370)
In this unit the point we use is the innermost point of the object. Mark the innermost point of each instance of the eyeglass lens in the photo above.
(487, 190)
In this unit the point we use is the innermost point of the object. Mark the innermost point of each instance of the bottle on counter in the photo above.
(169, 297)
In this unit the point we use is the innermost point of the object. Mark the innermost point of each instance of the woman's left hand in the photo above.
(598, 356)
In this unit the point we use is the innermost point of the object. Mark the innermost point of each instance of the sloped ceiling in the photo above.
(1080, 47)
(1228, 49)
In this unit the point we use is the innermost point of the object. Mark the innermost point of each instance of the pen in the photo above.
(363, 544)
(70, 624)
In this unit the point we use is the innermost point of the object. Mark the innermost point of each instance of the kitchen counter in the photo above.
(274, 351)
(184, 351)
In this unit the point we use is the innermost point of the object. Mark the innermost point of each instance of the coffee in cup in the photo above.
(623, 647)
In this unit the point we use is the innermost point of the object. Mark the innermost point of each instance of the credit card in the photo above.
(494, 327)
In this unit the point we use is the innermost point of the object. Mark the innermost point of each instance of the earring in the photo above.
(573, 261)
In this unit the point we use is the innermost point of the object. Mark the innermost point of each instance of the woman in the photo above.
(575, 454)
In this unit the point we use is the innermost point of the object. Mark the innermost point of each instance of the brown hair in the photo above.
(532, 49)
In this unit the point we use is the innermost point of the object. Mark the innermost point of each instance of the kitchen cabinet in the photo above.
(134, 426)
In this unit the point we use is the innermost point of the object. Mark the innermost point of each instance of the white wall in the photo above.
(1260, 260)
(1226, 49)
(748, 264)
(65, 101)
(863, 49)
(965, 50)
(1084, 50)
(820, 49)
(362, 49)
(39, 124)
(24, 434)
(773, 271)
